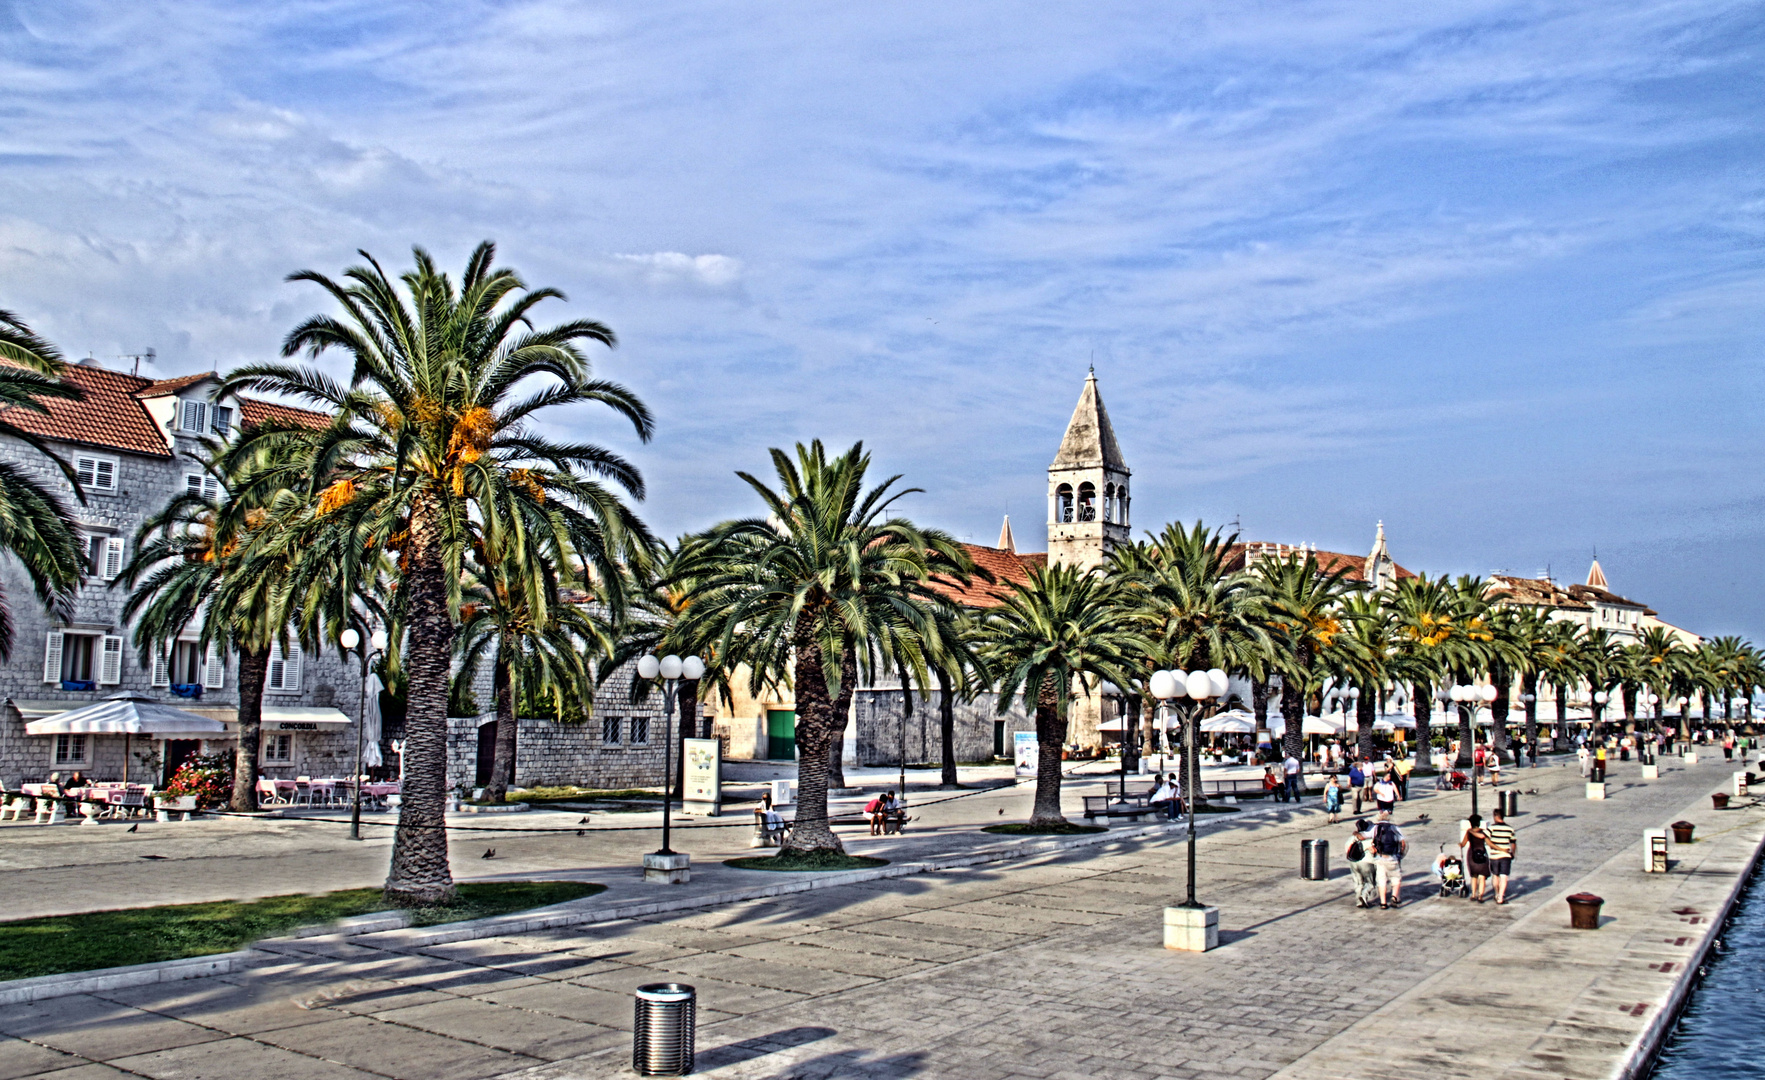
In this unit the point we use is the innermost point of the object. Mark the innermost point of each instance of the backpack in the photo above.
(1385, 840)
(1356, 852)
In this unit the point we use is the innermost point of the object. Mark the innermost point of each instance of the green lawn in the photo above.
(101, 939)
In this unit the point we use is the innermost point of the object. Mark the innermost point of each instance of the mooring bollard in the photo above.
(662, 1034)
(1584, 911)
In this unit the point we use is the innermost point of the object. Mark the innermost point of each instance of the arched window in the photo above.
(1108, 502)
(1121, 505)
(1087, 501)
(1063, 503)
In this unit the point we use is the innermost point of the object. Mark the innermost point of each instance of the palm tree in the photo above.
(1658, 657)
(1563, 665)
(36, 527)
(1529, 635)
(1726, 657)
(1363, 660)
(1469, 652)
(1064, 628)
(1602, 661)
(430, 449)
(1304, 605)
(1423, 633)
(825, 570)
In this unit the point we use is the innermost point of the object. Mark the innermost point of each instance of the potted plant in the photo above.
(203, 782)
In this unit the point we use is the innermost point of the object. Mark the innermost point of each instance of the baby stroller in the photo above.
(1451, 872)
(1450, 781)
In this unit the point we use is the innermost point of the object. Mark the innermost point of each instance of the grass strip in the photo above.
(1065, 828)
(791, 861)
(103, 939)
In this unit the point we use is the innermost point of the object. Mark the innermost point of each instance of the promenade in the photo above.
(1043, 965)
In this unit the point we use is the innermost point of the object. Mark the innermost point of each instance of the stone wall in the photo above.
(878, 714)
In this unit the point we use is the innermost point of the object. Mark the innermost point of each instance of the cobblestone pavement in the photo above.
(1049, 967)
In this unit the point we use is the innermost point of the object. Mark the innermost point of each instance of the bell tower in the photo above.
(1088, 500)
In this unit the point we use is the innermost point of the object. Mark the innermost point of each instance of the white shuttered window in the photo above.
(162, 667)
(52, 657)
(285, 669)
(110, 661)
(214, 672)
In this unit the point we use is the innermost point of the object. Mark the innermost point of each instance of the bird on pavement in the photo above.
(489, 853)
(584, 820)
(135, 826)
(581, 832)
(1423, 818)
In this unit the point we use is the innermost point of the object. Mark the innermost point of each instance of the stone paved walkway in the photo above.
(1049, 967)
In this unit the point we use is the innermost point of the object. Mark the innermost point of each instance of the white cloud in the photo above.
(665, 268)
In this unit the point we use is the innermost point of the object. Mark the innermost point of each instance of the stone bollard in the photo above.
(1596, 789)
(673, 868)
(1651, 771)
(1189, 929)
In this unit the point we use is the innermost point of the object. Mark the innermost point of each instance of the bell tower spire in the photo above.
(1088, 499)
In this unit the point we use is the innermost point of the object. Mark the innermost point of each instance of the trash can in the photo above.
(662, 1035)
(1682, 831)
(1584, 911)
(1314, 860)
(1508, 802)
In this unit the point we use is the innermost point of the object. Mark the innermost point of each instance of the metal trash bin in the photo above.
(1314, 860)
(1508, 802)
(662, 1033)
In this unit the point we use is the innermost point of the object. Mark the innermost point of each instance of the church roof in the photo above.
(1006, 541)
(1007, 567)
(1597, 577)
(1090, 440)
(1243, 555)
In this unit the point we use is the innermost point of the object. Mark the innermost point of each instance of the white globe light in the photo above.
(692, 668)
(647, 666)
(1599, 697)
(1488, 693)
(670, 666)
(378, 639)
(349, 639)
(1200, 687)
(1164, 685)
(1218, 679)
(1457, 693)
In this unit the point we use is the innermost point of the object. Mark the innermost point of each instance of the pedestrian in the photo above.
(1360, 864)
(1728, 748)
(1493, 763)
(1500, 840)
(1357, 779)
(1585, 761)
(1292, 769)
(1402, 768)
(1385, 794)
(1599, 763)
(1166, 796)
(1332, 799)
(1474, 849)
(1479, 762)
(1389, 848)
(1271, 783)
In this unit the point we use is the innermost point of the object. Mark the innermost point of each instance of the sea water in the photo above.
(1721, 1034)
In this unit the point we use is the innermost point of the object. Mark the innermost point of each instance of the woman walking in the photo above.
(1332, 799)
(1474, 849)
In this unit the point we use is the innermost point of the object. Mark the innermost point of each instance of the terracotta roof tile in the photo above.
(1534, 592)
(254, 412)
(162, 387)
(1007, 567)
(109, 416)
(1328, 561)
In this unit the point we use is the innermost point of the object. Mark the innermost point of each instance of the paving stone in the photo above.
(392, 1050)
(20, 1058)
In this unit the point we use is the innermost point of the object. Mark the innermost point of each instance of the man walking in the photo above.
(1385, 794)
(1360, 864)
(1389, 848)
(1291, 767)
(1501, 843)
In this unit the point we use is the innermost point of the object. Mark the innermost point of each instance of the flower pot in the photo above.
(1720, 799)
(1682, 831)
(1584, 911)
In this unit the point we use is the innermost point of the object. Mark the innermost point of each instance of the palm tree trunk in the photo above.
(1529, 691)
(842, 711)
(1467, 729)
(1050, 737)
(1562, 707)
(1422, 708)
(811, 832)
(420, 876)
(1366, 711)
(947, 727)
(687, 705)
(1627, 692)
(254, 667)
(502, 761)
(1259, 704)
(1498, 709)
(1293, 719)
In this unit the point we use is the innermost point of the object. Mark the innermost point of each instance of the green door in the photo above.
(781, 735)
(999, 738)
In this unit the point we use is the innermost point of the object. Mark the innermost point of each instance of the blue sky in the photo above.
(1488, 271)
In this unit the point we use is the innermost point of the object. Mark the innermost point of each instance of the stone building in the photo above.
(133, 442)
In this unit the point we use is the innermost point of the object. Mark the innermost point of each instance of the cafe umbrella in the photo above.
(126, 714)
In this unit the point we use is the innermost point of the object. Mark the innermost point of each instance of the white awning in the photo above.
(125, 714)
(302, 718)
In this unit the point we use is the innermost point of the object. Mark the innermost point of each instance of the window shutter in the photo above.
(195, 416)
(104, 478)
(113, 557)
(110, 667)
(214, 672)
(221, 419)
(285, 668)
(277, 668)
(291, 675)
(86, 469)
(52, 657)
(162, 667)
(193, 483)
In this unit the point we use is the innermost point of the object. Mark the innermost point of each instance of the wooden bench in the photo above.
(1110, 806)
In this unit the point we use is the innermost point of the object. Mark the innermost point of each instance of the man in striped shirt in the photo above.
(1501, 844)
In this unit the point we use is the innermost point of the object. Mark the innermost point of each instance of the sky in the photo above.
(1489, 272)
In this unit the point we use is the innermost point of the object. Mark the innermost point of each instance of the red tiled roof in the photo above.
(1328, 561)
(112, 413)
(254, 412)
(1007, 567)
(1533, 592)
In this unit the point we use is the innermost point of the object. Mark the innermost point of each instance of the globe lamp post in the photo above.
(667, 865)
(349, 639)
(1190, 926)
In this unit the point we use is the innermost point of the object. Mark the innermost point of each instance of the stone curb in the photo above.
(20, 991)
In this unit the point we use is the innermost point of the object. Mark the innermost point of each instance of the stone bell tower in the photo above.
(1088, 499)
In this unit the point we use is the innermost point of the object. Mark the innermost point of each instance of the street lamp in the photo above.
(667, 865)
(1190, 926)
(349, 639)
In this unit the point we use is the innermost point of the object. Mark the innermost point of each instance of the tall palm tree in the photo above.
(1602, 662)
(1063, 629)
(1470, 650)
(1425, 648)
(1658, 657)
(1304, 605)
(1363, 660)
(1529, 634)
(1564, 665)
(827, 568)
(1726, 658)
(431, 447)
(36, 527)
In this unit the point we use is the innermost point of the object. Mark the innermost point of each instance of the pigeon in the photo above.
(1001, 811)
(1531, 791)
(489, 853)
(155, 857)
(584, 820)
(135, 826)
(581, 832)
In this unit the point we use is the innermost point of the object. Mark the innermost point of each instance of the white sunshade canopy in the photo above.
(1312, 725)
(1236, 722)
(125, 714)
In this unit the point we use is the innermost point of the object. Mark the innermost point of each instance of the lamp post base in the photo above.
(1651, 772)
(1596, 790)
(1191, 929)
(673, 868)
